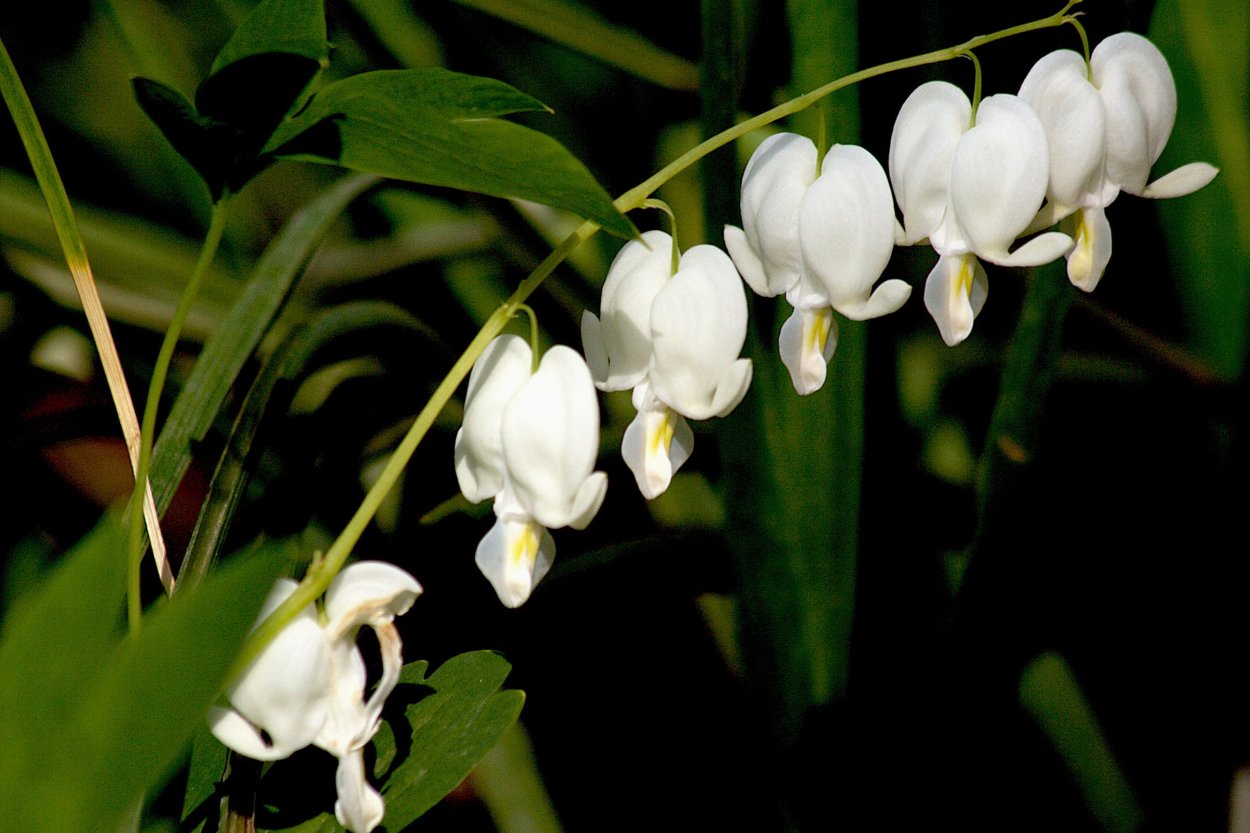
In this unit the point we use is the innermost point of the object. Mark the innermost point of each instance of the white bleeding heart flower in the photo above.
(690, 326)
(971, 189)
(823, 240)
(529, 440)
(1106, 125)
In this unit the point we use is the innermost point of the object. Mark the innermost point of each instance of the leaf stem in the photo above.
(322, 572)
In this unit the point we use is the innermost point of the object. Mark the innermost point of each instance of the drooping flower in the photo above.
(971, 189)
(822, 240)
(308, 685)
(1106, 126)
(675, 338)
(529, 440)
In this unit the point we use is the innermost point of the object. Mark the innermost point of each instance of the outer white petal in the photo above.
(922, 147)
(998, 175)
(698, 326)
(807, 341)
(551, 439)
(372, 593)
(639, 271)
(514, 556)
(282, 693)
(954, 294)
(1088, 259)
(498, 373)
(846, 232)
(359, 807)
(1071, 112)
(1140, 99)
(776, 177)
(656, 444)
(1184, 180)
(747, 261)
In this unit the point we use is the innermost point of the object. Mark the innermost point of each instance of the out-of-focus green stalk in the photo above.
(510, 785)
(1049, 692)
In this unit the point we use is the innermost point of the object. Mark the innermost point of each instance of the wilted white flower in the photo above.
(308, 685)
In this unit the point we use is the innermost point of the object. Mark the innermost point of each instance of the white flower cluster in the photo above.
(969, 180)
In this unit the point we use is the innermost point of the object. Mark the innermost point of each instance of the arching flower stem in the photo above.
(320, 575)
(535, 347)
(976, 85)
(672, 226)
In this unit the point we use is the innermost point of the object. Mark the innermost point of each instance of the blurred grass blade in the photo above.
(237, 337)
(1051, 695)
(511, 787)
(1207, 44)
(579, 29)
(290, 362)
(62, 212)
(406, 36)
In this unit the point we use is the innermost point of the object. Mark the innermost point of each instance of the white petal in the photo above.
(1071, 113)
(1088, 259)
(551, 439)
(998, 175)
(698, 326)
(359, 807)
(1184, 180)
(514, 556)
(656, 444)
(846, 228)
(347, 726)
(368, 592)
(746, 260)
(1041, 249)
(592, 346)
(497, 374)
(954, 293)
(779, 172)
(282, 693)
(807, 341)
(639, 271)
(1140, 99)
(922, 146)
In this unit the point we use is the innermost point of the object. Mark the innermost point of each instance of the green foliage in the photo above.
(456, 716)
(258, 77)
(438, 127)
(235, 340)
(78, 700)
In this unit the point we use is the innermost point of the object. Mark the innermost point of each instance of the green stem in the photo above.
(320, 574)
(134, 606)
(976, 87)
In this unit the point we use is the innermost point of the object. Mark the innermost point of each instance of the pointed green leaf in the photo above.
(441, 128)
(197, 139)
(296, 27)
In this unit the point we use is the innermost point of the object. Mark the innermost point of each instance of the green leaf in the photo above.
(197, 139)
(1207, 44)
(92, 721)
(441, 128)
(55, 639)
(260, 75)
(458, 714)
(296, 27)
(1050, 693)
(234, 341)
